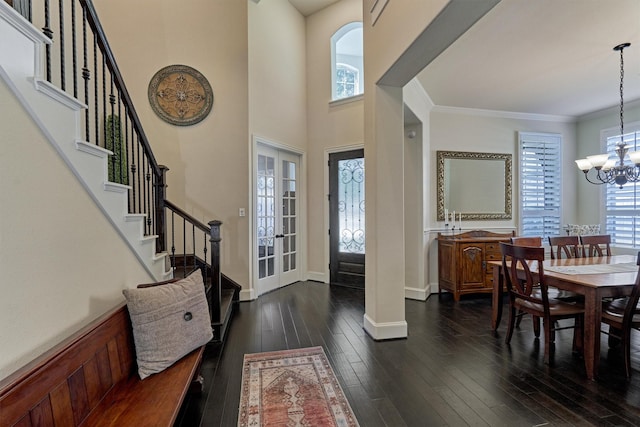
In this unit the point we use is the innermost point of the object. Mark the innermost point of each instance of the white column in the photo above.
(384, 316)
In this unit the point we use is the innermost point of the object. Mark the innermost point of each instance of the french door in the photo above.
(346, 218)
(277, 204)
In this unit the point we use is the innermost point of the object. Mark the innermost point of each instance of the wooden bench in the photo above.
(91, 379)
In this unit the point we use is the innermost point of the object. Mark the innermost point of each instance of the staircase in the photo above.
(74, 92)
(228, 297)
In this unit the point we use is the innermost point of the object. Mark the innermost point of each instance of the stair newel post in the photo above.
(215, 296)
(161, 193)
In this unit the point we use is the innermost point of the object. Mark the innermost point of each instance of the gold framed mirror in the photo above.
(477, 185)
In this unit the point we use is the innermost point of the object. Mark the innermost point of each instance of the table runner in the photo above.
(593, 268)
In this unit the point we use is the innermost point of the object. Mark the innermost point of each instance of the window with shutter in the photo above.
(540, 184)
(623, 204)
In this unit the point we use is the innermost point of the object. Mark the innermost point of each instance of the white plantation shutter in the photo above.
(540, 184)
(623, 204)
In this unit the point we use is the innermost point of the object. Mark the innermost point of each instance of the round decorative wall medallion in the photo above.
(180, 95)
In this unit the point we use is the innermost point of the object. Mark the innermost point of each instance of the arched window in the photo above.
(347, 77)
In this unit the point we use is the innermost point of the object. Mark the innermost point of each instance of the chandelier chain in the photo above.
(621, 96)
(610, 171)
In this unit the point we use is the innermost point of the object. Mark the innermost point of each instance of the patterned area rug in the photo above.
(292, 388)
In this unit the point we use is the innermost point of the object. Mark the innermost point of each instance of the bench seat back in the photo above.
(65, 384)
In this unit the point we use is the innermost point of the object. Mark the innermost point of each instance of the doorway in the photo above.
(346, 218)
(277, 206)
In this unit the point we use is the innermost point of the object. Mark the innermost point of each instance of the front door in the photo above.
(346, 218)
(277, 226)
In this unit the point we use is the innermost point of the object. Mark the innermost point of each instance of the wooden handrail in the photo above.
(94, 22)
(173, 207)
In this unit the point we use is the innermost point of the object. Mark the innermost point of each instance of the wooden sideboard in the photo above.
(462, 261)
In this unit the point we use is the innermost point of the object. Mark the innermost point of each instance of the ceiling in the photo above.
(308, 7)
(542, 57)
(550, 57)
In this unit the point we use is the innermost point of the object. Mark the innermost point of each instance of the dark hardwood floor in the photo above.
(451, 370)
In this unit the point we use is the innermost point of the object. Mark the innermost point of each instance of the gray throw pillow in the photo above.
(169, 321)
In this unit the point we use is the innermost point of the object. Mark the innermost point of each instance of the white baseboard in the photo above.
(385, 331)
(247, 295)
(316, 276)
(433, 288)
(417, 293)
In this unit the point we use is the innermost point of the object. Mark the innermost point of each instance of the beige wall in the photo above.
(277, 73)
(62, 262)
(330, 127)
(493, 134)
(208, 162)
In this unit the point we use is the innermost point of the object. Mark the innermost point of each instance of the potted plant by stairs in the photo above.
(117, 166)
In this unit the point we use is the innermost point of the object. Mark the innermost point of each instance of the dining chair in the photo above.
(569, 246)
(596, 245)
(622, 315)
(527, 241)
(531, 241)
(524, 299)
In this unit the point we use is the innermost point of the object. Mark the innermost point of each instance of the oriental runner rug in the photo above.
(292, 388)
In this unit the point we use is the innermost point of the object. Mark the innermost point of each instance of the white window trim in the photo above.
(334, 39)
(522, 136)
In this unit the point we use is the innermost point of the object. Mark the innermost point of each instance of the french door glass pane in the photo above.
(266, 219)
(288, 215)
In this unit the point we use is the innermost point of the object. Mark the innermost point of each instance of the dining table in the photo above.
(593, 277)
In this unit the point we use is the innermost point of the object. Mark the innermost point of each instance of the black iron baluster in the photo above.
(153, 185)
(126, 151)
(63, 82)
(112, 125)
(173, 240)
(133, 170)
(147, 192)
(121, 155)
(204, 257)
(104, 100)
(143, 187)
(47, 32)
(74, 48)
(143, 182)
(160, 195)
(86, 74)
(193, 243)
(184, 246)
(95, 90)
(215, 294)
(139, 182)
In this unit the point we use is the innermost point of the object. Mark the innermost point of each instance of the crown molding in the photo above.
(504, 114)
(614, 109)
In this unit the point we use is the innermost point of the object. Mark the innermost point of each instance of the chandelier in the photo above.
(614, 171)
